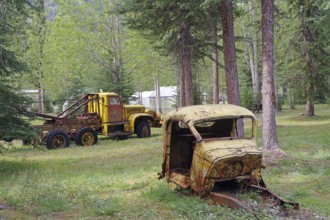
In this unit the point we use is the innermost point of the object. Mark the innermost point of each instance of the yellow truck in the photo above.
(98, 113)
(212, 150)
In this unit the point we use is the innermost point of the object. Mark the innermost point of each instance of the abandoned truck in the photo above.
(93, 114)
(203, 147)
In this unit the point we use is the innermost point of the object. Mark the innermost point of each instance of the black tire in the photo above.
(143, 129)
(57, 139)
(86, 137)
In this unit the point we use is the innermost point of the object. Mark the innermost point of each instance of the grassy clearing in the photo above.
(305, 175)
(118, 179)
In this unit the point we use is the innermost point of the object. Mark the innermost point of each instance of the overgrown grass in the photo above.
(118, 179)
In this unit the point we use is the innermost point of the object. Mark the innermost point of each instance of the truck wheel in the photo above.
(57, 139)
(143, 129)
(86, 137)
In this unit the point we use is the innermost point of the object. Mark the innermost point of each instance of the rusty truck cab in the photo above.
(202, 146)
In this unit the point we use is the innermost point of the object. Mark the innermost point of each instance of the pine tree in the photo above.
(12, 112)
(269, 131)
(176, 26)
(312, 44)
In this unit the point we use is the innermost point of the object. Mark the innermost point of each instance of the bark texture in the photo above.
(186, 85)
(215, 57)
(229, 52)
(158, 96)
(253, 53)
(41, 41)
(309, 38)
(270, 139)
(227, 20)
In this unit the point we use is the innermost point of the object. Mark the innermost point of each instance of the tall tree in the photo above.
(174, 25)
(229, 51)
(12, 125)
(185, 73)
(215, 53)
(312, 14)
(309, 38)
(304, 51)
(253, 50)
(288, 63)
(40, 23)
(269, 131)
(84, 53)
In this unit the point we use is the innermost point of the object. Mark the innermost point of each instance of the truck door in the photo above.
(115, 109)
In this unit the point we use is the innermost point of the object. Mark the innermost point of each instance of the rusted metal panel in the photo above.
(226, 200)
(202, 149)
(212, 159)
(180, 177)
(269, 195)
(202, 112)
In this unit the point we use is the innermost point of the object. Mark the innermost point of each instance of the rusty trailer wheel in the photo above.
(86, 137)
(57, 139)
(143, 129)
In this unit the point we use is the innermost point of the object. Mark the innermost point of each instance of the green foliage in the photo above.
(246, 91)
(12, 112)
(304, 18)
(160, 22)
(144, 63)
(13, 15)
(89, 53)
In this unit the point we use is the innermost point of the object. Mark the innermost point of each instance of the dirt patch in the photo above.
(4, 205)
(273, 157)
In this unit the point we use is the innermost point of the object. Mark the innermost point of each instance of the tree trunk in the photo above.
(309, 111)
(269, 131)
(41, 41)
(182, 92)
(215, 61)
(114, 29)
(309, 100)
(227, 20)
(229, 52)
(187, 90)
(158, 97)
(254, 54)
(179, 84)
(291, 99)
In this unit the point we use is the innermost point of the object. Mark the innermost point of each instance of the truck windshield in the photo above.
(224, 128)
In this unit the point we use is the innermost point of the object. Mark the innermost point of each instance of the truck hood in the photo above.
(214, 150)
(219, 160)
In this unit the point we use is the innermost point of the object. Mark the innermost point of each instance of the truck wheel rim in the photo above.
(59, 141)
(88, 139)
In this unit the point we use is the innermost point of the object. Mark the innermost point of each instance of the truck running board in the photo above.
(119, 134)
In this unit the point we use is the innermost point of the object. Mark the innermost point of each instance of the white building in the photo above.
(168, 98)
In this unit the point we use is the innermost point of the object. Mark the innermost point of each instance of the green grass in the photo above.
(305, 175)
(118, 179)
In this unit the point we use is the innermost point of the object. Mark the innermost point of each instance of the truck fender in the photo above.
(135, 119)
